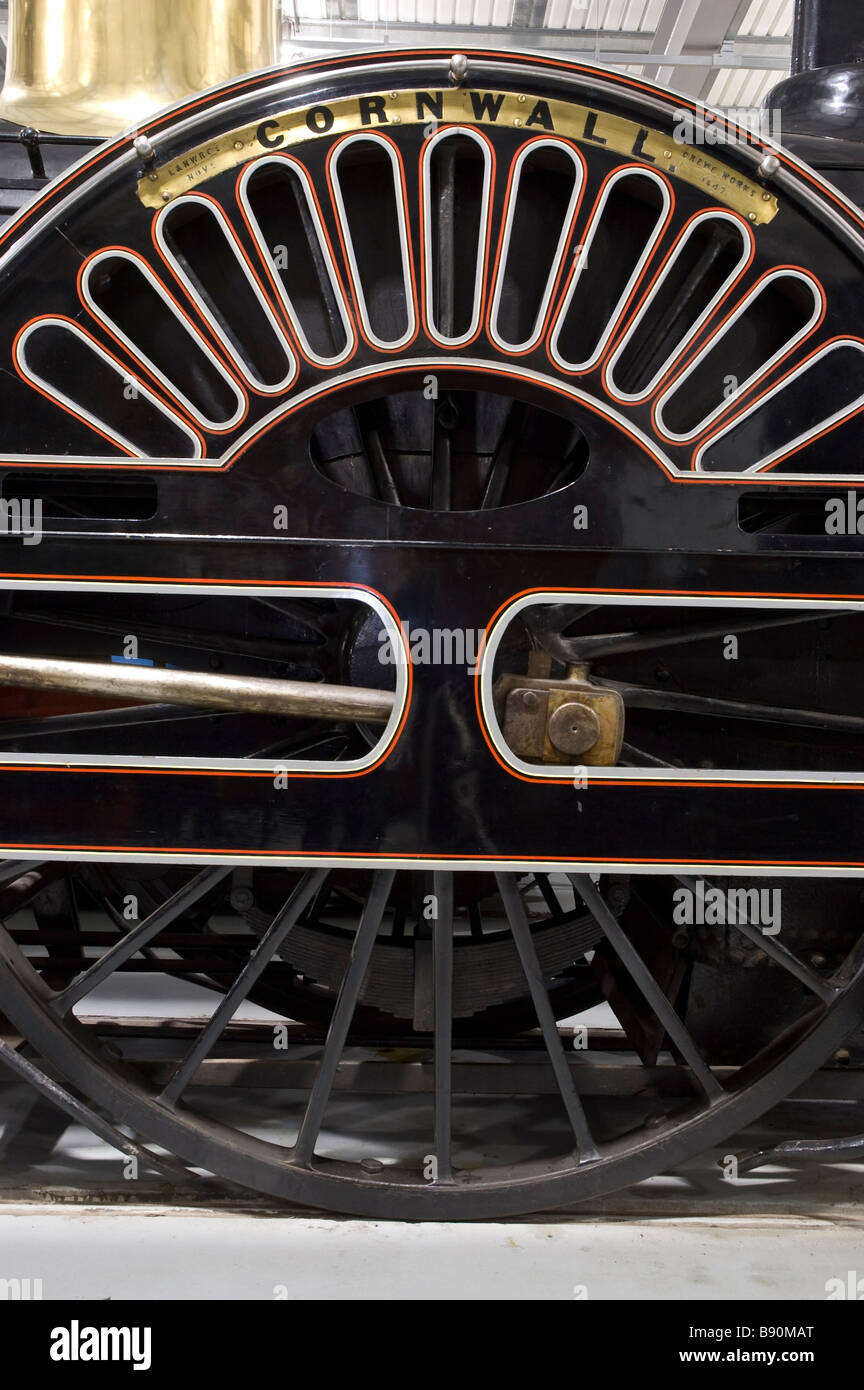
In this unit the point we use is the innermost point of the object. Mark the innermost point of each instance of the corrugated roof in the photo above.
(737, 87)
(609, 16)
(756, 36)
(769, 19)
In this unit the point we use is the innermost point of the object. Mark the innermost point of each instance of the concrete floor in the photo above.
(153, 1252)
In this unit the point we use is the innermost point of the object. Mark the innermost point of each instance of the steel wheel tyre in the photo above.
(160, 1117)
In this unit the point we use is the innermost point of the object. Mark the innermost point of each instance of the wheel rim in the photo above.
(297, 1173)
(439, 514)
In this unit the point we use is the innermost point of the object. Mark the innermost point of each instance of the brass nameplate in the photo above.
(455, 105)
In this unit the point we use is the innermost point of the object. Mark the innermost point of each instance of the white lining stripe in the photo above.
(297, 170)
(401, 220)
(681, 346)
(761, 370)
(355, 595)
(526, 153)
(200, 346)
(640, 774)
(798, 440)
(480, 365)
(203, 307)
(79, 410)
(560, 319)
(480, 260)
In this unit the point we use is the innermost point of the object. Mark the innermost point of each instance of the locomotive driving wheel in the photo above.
(616, 1117)
(427, 611)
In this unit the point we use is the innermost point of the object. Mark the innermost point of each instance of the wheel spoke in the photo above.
(502, 462)
(446, 282)
(266, 649)
(441, 495)
(475, 920)
(524, 942)
(442, 947)
(775, 949)
(637, 757)
(63, 724)
(593, 648)
(546, 621)
(55, 910)
(49, 1089)
(496, 480)
(299, 613)
(562, 477)
(296, 747)
(381, 471)
(549, 895)
(10, 869)
(643, 697)
(185, 898)
(647, 985)
(269, 944)
(349, 992)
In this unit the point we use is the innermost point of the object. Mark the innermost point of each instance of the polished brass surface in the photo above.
(556, 721)
(247, 694)
(693, 164)
(97, 67)
(573, 728)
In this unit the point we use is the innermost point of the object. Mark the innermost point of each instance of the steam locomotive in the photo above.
(430, 496)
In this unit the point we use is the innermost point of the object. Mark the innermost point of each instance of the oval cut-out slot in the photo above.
(65, 362)
(285, 223)
(685, 715)
(491, 451)
(205, 257)
(816, 398)
(456, 180)
(622, 235)
(710, 254)
(785, 511)
(128, 298)
(547, 179)
(775, 316)
(81, 494)
(251, 636)
(368, 192)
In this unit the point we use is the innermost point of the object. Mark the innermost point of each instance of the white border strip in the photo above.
(716, 340)
(79, 410)
(290, 167)
(799, 440)
(194, 293)
(401, 220)
(526, 153)
(419, 364)
(450, 133)
(584, 257)
(200, 346)
(304, 860)
(747, 243)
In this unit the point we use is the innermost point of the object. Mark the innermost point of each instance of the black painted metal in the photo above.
(437, 568)
(822, 103)
(826, 32)
(440, 796)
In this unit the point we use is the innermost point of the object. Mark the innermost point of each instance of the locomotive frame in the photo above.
(632, 516)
